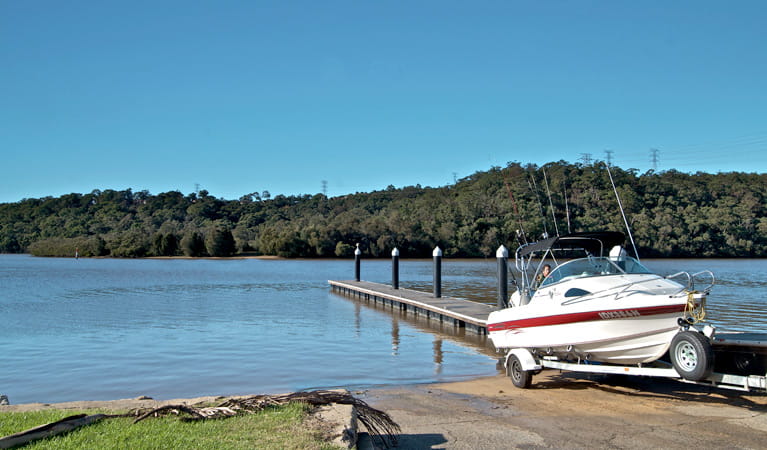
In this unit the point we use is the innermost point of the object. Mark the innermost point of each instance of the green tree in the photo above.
(169, 244)
(671, 213)
(344, 250)
(193, 244)
(220, 242)
(165, 244)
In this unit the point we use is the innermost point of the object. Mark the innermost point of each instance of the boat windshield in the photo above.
(594, 266)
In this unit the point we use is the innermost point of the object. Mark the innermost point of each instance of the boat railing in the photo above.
(690, 286)
(711, 283)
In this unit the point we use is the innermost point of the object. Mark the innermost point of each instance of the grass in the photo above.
(274, 428)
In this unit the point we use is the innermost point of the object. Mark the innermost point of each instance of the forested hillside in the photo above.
(671, 214)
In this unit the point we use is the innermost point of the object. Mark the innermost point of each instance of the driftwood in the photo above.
(378, 423)
(196, 413)
(62, 426)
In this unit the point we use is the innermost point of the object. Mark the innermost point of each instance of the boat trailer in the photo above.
(736, 361)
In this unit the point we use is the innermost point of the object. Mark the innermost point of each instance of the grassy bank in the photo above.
(273, 428)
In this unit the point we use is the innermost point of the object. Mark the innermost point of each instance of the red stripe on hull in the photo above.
(585, 316)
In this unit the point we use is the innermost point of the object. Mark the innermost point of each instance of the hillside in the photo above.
(671, 213)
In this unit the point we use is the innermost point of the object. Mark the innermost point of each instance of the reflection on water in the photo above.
(177, 328)
(437, 355)
(394, 336)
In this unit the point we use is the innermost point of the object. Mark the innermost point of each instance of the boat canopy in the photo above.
(592, 242)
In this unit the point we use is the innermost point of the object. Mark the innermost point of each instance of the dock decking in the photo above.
(460, 312)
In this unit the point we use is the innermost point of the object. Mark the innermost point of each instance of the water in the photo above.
(94, 329)
(111, 328)
(738, 301)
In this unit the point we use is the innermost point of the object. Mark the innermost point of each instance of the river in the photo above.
(99, 329)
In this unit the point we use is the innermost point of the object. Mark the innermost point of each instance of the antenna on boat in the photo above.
(620, 205)
(551, 204)
(534, 188)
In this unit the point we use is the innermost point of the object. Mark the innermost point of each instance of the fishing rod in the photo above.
(537, 198)
(521, 231)
(551, 204)
(567, 208)
(620, 205)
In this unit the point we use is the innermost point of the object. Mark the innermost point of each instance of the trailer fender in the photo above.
(525, 358)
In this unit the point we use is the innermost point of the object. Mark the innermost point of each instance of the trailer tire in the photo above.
(692, 355)
(519, 377)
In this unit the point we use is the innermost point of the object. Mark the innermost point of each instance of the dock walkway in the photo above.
(460, 312)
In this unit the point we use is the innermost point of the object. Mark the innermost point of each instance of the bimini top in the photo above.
(593, 242)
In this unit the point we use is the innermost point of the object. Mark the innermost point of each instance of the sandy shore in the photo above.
(574, 411)
(237, 256)
(561, 410)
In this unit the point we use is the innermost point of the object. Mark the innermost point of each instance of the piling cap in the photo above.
(437, 251)
(358, 251)
(395, 252)
(502, 252)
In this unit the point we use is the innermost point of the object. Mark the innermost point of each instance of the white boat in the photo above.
(603, 306)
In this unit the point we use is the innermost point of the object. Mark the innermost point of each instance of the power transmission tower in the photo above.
(654, 158)
(609, 154)
(325, 188)
(586, 158)
(197, 188)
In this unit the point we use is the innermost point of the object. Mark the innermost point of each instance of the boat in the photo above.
(599, 305)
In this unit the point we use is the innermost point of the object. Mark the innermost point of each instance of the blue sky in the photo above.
(247, 96)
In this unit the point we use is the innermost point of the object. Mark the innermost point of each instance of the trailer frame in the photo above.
(533, 364)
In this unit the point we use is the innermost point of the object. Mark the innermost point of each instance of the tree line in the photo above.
(672, 214)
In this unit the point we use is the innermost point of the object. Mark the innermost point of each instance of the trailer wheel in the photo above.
(520, 378)
(691, 355)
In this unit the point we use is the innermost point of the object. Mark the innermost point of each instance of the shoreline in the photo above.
(491, 386)
(369, 258)
(560, 410)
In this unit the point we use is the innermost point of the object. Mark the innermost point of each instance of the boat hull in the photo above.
(631, 330)
(618, 341)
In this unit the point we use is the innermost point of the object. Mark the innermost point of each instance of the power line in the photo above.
(654, 158)
(609, 154)
(693, 154)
